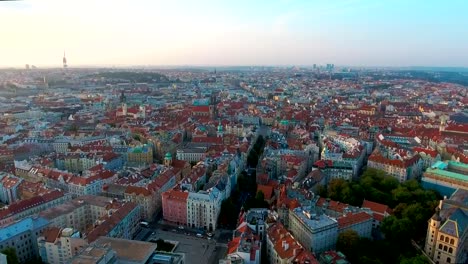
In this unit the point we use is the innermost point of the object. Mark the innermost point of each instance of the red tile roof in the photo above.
(352, 219)
(267, 191)
(376, 207)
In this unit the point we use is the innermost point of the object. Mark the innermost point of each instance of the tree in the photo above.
(414, 260)
(347, 242)
(12, 258)
(260, 196)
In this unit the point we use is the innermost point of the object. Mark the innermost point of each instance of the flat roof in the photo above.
(26, 224)
(448, 174)
(318, 222)
(129, 250)
(70, 206)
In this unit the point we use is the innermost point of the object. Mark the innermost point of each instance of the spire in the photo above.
(64, 60)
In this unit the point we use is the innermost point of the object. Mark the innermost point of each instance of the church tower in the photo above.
(123, 103)
(168, 159)
(220, 132)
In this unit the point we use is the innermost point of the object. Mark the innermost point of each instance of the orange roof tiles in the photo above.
(353, 218)
(376, 207)
(267, 191)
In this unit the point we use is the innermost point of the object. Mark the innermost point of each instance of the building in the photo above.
(342, 157)
(401, 168)
(245, 248)
(31, 206)
(9, 188)
(360, 222)
(95, 254)
(316, 232)
(379, 211)
(96, 216)
(59, 245)
(203, 209)
(149, 196)
(129, 251)
(333, 257)
(140, 155)
(255, 219)
(283, 248)
(22, 236)
(174, 203)
(191, 154)
(447, 231)
(446, 177)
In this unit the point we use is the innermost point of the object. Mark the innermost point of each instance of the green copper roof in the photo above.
(168, 155)
(458, 164)
(448, 174)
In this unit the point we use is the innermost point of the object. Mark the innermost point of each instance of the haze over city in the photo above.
(287, 32)
(234, 132)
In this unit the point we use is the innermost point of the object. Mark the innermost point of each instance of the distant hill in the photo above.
(135, 77)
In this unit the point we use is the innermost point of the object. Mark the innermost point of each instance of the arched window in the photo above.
(448, 260)
(442, 237)
(445, 248)
(440, 246)
(446, 239)
(450, 250)
(452, 241)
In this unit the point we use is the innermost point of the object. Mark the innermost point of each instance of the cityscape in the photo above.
(273, 154)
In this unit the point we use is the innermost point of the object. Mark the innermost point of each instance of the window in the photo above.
(452, 241)
(446, 239)
(442, 237)
(450, 250)
(448, 260)
(440, 246)
(445, 248)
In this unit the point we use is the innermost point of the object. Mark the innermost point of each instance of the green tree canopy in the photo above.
(10, 253)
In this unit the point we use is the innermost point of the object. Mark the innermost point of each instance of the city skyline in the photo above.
(212, 33)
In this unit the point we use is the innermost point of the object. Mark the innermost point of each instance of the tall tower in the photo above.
(64, 61)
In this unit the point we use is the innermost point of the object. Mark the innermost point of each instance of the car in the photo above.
(199, 235)
(181, 227)
(173, 230)
(209, 234)
(209, 238)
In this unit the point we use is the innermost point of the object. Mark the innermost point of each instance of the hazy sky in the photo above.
(237, 32)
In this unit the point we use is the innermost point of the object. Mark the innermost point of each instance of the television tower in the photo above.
(64, 61)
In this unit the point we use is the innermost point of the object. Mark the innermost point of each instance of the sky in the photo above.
(237, 32)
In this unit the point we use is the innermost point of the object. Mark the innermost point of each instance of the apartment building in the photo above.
(22, 236)
(316, 232)
(59, 245)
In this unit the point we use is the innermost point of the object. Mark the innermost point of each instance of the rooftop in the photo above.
(314, 221)
(21, 226)
(129, 250)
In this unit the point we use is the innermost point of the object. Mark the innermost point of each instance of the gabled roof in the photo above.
(376, 207)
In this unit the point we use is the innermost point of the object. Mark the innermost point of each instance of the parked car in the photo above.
(181, 227)
(199, 235)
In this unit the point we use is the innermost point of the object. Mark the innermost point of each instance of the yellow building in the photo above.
(140, 155)
(446, 239)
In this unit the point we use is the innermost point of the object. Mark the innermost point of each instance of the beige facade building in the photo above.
(446, 239)
(59, 245)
